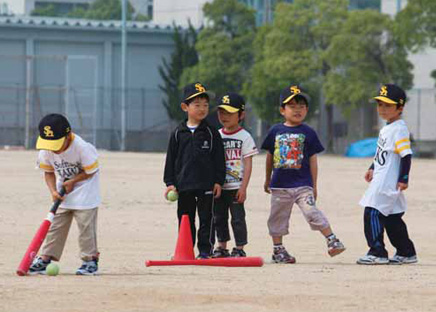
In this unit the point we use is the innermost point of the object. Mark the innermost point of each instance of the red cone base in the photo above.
(226, 262)
(184, 254)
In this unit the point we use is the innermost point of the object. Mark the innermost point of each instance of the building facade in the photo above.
(73, 67)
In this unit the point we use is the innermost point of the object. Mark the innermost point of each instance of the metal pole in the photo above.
(28, 90)
(419, 115)
(67, 87)
(123, 75)
(95, 101)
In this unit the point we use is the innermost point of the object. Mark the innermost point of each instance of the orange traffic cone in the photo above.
(184, 247)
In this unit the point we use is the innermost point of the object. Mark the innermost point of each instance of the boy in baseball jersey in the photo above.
(291, 158)
(195, 166)
(70, 162)
(239, 148)
(388, 175)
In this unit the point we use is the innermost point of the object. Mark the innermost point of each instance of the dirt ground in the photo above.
(136, 224)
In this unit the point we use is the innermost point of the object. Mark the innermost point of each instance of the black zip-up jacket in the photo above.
(195, 161)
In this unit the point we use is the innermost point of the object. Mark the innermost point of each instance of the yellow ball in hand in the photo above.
(172, 195)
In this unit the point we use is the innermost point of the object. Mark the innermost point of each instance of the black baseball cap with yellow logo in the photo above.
(195, 89)
(291, 92)
(232, 102)
(53, 130)
(391, 94)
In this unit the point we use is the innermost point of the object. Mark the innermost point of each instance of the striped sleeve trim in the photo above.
(399, 142)
(45, 167)
(91, 167)
(399, 150)
(254, 152)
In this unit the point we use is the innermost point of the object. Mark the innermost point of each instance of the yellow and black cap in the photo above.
(291, 92)
(391, 94)
(53, 130)
(232, 102)
(195, 89)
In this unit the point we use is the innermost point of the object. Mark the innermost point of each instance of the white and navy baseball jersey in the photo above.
(80, 156)
(382, 194)
(237, 146)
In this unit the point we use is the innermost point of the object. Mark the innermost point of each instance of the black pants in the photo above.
(202, 201)
(375, 223)
(227, 202)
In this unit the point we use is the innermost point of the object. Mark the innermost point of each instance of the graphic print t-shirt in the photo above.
(80, 156)
(291, 148)
(237, 146)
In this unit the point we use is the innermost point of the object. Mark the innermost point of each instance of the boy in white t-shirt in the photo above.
(70, 162)
(239, 148)
(388, 175)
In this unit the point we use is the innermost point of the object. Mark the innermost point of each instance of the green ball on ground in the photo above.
(172, 196)
(52, 269)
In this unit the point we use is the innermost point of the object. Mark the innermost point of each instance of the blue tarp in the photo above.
(363, 148)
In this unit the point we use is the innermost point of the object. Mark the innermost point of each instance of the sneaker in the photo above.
(203, 255)
(335, 247)
(38, 266)
(372, 260)
(280, 255)
(238, 253)
(221, 253)
(403, 260)
(88, 268)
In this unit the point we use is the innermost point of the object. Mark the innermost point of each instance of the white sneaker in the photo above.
(403, 260)
(372, 260)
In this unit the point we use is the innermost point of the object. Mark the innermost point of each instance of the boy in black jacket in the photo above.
(195, 166)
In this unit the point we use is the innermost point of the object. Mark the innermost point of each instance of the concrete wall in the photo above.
(169, 11)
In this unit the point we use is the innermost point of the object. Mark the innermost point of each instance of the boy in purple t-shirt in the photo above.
(291, 159)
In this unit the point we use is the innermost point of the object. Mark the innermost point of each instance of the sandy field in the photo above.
(136, 224)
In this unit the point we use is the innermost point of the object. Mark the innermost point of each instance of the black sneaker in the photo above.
(238, 253)
(88, 268)
(220, 253)
(38, 266)
(281, 255)
(203, 255)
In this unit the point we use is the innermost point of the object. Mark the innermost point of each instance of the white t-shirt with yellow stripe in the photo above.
(382, 194)
(80, 156)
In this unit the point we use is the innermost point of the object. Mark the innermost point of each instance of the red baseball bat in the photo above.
(39, 237)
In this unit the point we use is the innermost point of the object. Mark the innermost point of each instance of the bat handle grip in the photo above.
(58, 201)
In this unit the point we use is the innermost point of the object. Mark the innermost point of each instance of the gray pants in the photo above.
(57, 235)
(282, 201)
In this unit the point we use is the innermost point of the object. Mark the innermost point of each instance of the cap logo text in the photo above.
(199, 87)
(48, 132)
(383, 91)
(226, 99)
(295, 90)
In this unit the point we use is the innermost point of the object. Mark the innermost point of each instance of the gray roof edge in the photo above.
(32, 21)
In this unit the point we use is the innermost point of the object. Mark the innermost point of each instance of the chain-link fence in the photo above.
(33, 86)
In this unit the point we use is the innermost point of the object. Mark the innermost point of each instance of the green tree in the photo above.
(184, 55)
(416, 26)
(224, 47)
(103, 10)
(364, 54)
(98, 10)
(48, 10)
(291, 51)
